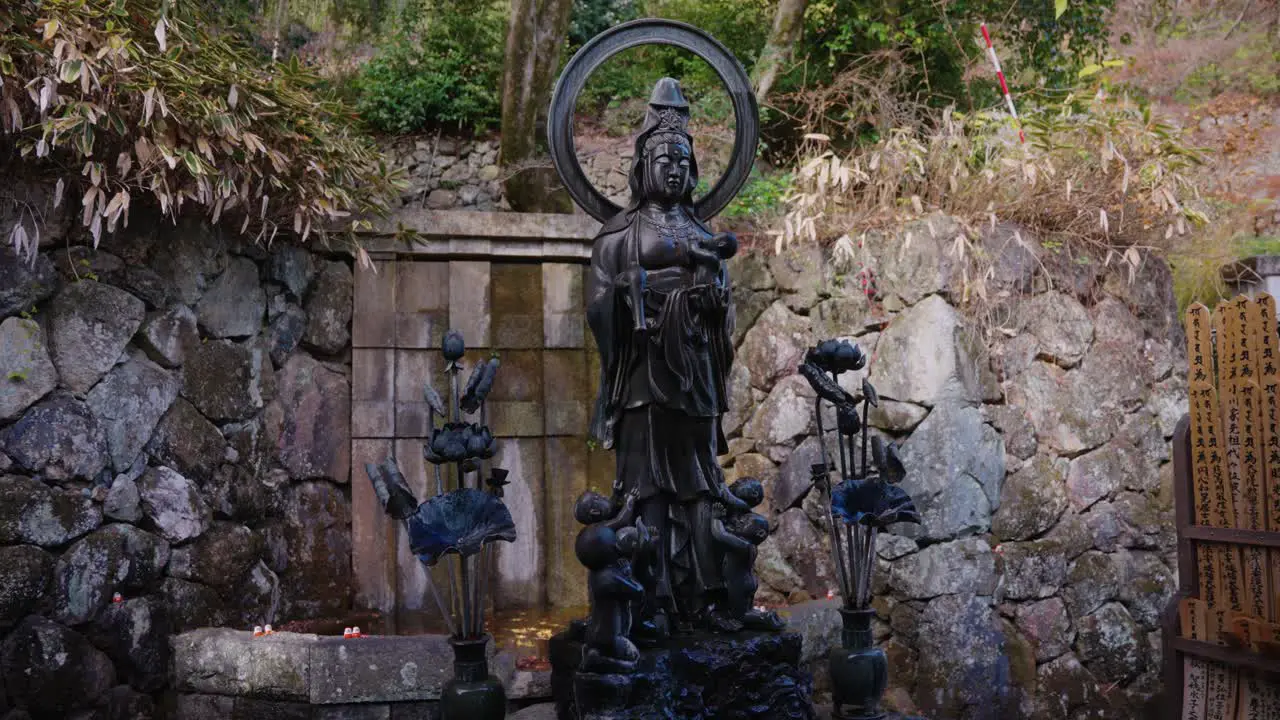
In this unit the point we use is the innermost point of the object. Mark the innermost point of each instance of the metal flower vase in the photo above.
(859, 670)
(453, 531)
(472, 693)
(864, 502)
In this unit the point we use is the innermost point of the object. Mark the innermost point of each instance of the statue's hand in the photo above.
(631, 277)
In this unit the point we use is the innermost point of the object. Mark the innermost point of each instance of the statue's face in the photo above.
(667, 173)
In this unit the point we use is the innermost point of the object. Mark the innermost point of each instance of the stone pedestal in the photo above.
(745, 676)
(219, 673)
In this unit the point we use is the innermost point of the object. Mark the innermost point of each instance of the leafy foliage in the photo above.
(1098, 170)
(445, 69)
(742, 25)
(761, 198)
(930, 54)
(592, 17)
(125, 101)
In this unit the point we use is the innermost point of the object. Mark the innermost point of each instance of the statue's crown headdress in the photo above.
(667, 119)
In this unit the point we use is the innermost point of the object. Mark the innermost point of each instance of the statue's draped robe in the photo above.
(661, 398)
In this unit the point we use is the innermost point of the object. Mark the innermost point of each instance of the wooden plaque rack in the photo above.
(1177, 648)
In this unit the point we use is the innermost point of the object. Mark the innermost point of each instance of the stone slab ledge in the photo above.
(328, 670)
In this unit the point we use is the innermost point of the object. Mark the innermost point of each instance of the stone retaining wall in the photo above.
(174, 427)
(456, 173)
(1037, 449)
(175, 422)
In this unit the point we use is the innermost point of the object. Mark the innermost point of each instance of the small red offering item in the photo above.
(355, 632)
(257, 631)
(117, 598)
(266, 630)
(831, 594)
(346, 633)
(533, 663)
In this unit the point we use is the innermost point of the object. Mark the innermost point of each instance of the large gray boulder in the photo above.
(188, 256)
(1092, 581)
(774, 346)
(1110, 644)
(293, 267)
(313, 416)
(128, 403)
(1033, 570)
(24, 283)
(965, 661)
(227, 381)
(58, 437)
(285, 333)
(1146, 586)
(167, 336)
(191, 605)
(26, 373)
(807, 550)
(25, 573)
(219, 557)
(329, 309)
(955, 469)
(1047, 626)
(135, 635)
(1068, 413)
(35, 514)
(123, 502)
(962, 566)
(235, 305)
(173, 504)
(741, 401)
(798, 272)
(1031, 500)
(116, 558)
(89, 326)
(1066, 686)
(318, 536)
(928, 356)
(51, 671)
(782, 418)
(187, 442)
(1061, 326)
(915, 262)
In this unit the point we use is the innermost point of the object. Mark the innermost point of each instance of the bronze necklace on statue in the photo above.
(671, 234)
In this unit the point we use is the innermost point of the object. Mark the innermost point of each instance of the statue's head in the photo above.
(749, 490)
(664, 170)
(596, 547)
(591, 508)
(629, 541)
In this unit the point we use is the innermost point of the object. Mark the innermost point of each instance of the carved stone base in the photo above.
(744, 676)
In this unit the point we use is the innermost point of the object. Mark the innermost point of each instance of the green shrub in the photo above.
(592, 17)
(742, 25)
(444, 71)
(762, 198)
(119, 104)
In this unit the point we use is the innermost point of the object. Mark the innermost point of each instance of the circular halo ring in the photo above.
(652, 31)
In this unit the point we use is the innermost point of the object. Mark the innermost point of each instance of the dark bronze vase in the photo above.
(472, 694)
(859, 669)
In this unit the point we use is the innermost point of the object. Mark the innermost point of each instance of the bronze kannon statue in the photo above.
(660, 309)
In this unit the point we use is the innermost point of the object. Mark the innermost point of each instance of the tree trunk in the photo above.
(788, 24)
(535, 37)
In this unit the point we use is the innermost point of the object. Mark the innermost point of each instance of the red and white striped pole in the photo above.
(1008, 99)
